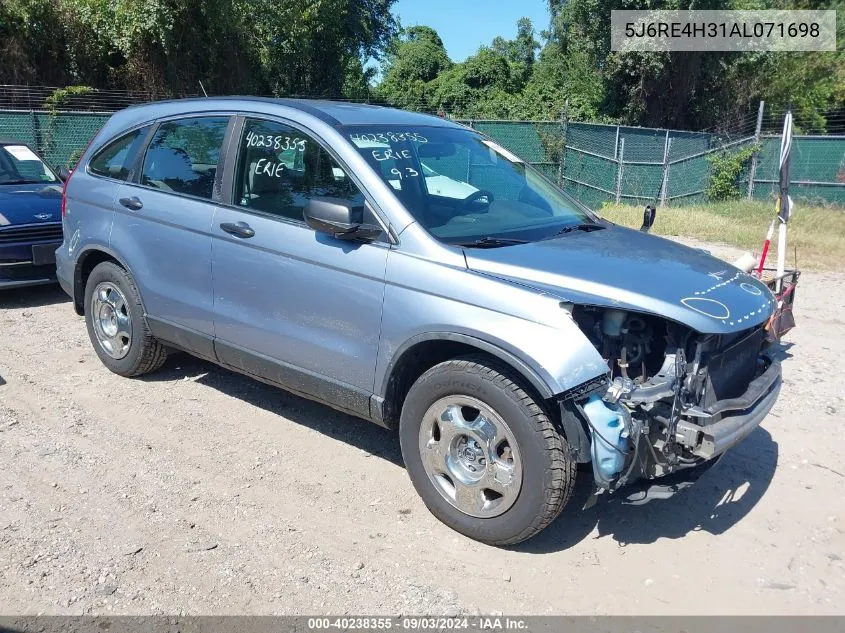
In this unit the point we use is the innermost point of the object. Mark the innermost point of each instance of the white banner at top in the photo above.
(769, 30)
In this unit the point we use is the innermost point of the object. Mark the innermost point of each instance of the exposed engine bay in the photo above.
(676, 398)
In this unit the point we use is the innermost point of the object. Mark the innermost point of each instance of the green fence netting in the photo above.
(59, 138)
(817, 174)
(601, 164)
(597, 163)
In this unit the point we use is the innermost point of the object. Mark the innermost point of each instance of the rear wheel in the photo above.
(482, 453)
(116, 325)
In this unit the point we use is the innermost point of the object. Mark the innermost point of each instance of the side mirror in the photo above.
(649, 214)
(339, 219)
(63, 174)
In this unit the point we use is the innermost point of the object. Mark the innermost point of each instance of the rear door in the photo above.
(295, 306)
(162, 227)
(91, 194)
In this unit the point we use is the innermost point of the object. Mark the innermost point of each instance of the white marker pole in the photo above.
(781, 256)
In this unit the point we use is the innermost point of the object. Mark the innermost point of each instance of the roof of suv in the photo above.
(332, 112)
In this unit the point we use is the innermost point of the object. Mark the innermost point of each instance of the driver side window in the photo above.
(279, 169)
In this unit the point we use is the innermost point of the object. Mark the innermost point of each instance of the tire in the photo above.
(117, 309)
(477, 390)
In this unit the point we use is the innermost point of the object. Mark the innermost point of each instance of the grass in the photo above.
(817, 232)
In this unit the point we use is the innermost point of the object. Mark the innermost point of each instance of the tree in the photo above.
(519, 52)
(165, 47)
(690, 90)
(309, 47)
(324, 47)
(418, 74)
(35, 36)
(415, 58)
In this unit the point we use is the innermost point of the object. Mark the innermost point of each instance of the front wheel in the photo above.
(482, 453)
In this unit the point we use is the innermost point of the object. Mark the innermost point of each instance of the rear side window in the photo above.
(182, 156)
(115, 159)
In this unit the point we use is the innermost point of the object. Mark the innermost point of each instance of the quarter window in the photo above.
(182, 156)
(115, 159)
(280, 169)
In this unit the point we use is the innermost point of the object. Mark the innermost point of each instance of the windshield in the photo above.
(463, 187)
(19, 165)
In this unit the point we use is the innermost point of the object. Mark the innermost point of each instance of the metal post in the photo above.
(753, 172)
(36, 131)
(665, 183)
(616, 146)
(561, 161)
(620, 166)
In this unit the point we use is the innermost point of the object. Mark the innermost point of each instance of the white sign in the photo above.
(21, 152)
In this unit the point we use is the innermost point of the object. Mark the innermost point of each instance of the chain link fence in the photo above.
(602, 164)
(817, 173)
(597, 163)
(59, 137)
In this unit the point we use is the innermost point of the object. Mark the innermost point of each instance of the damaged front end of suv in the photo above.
(676, 398)
(689, 366)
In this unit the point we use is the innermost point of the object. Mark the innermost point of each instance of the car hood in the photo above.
(30, 204)
(621, 268)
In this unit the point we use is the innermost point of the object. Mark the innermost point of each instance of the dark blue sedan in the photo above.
(30, 217)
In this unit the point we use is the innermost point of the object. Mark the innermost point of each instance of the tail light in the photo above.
(64, 194)
(73, 171)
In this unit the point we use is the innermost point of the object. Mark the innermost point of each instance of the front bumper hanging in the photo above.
(727, 422)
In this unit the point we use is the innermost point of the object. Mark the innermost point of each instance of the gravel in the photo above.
(199, 491)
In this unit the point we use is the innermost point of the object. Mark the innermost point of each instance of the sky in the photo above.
(464, 25)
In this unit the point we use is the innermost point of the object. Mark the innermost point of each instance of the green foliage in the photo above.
(575, 65)
(416, 58)
(74, 157)
(519, 52)
(726, 168)
(309, 47)
(60, 96)
(419, 75)
(53, 104)
(554, 145)
(165, 47)
(324, 48)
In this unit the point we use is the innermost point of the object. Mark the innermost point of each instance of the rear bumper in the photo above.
(27, 262)
(728, 422)
(64, 271)
(22, 274)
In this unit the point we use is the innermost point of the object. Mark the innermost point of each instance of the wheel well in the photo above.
(84, 266)
(421, 357)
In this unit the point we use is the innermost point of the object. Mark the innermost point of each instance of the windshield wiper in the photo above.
(578, 227)
(491, 242)
(19, 181)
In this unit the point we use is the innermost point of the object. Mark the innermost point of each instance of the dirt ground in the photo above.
(198, 491)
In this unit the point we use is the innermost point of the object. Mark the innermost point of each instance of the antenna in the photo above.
(202, 88)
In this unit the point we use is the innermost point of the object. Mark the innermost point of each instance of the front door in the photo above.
(292, 305)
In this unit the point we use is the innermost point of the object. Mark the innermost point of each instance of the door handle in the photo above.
(133, 203)
(238, 229)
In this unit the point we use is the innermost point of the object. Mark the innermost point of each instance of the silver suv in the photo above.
(413, 272)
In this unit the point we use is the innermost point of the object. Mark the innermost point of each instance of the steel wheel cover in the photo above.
(470, 456)
(111, 320)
